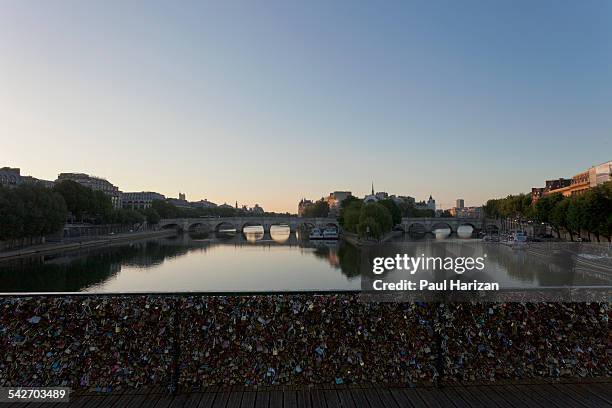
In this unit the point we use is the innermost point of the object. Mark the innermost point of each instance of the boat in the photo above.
(519, 240)
(330, 233)
(315, 233)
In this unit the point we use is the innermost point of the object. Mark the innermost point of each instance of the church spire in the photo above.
(372, 187)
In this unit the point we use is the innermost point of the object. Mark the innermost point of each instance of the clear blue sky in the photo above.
(270, 101)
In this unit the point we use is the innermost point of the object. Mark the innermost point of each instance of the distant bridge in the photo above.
(239, 223)
(432, 224)
(213, 224)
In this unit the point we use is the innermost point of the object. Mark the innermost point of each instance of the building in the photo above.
(334, 200)
(403, 199)
(257, 209)
(96, 184)
(460, 203)
(203, 204)
(431, 203)
(34, 180)
(140, 200)
(375, 197)
(578, 184)
(179, 202)
(10, 177)
(536, 193)
(466, 212)
(303, 205)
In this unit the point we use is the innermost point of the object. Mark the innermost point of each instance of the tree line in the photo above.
(164, 209)
(590, 211)
(32, 210)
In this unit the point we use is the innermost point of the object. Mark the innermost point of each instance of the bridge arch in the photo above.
(198, 225)
(441, 225)
(225, 226)
(468, 224)
(252, 224)
(416, 228)
(172, 226)
(279, 224)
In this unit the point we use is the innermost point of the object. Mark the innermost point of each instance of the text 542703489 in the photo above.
(34, 394)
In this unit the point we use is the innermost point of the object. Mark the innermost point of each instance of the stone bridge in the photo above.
(432, 224)
(213, 224)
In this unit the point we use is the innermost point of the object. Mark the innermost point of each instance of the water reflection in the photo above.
(280, 233)
(274, 261)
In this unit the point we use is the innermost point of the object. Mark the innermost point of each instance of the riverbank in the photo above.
(92, 242)
(354, 239)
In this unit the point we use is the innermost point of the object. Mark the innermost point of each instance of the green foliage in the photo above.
(30, 211)
(368, 227)
(509, 207)
(318, 209)
(394, 210)
(411, 211)
(166, 210)
(151, 216)
(85, 204)
(591, 211)
(127, 217)
(544, 206)
(376, 219)
(348, 202)
(349, 215)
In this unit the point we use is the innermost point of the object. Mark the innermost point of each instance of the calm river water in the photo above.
(279, 261)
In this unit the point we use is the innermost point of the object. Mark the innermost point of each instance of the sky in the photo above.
(268, 102)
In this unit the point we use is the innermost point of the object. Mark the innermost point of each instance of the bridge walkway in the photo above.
(503, 395)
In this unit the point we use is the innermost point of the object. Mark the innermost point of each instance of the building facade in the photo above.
(140, 200)
(578, 184)
(203, 204)
(460, 203)
(34, 180)
(467, 212)
(10, 177)
(96, 184)
(303, 205)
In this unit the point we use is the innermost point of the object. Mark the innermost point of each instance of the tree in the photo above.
(558, 217)
(320, 209)
(151, 215)
(30, 211)
(84, 203)
(377, 214)
(544, 206)
(394, 210)
(491, 208)
(165, 210)
(575, 214)
(127, 217)
(368, 227)
(349, 216)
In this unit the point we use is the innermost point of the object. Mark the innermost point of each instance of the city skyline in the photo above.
(269, 105)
